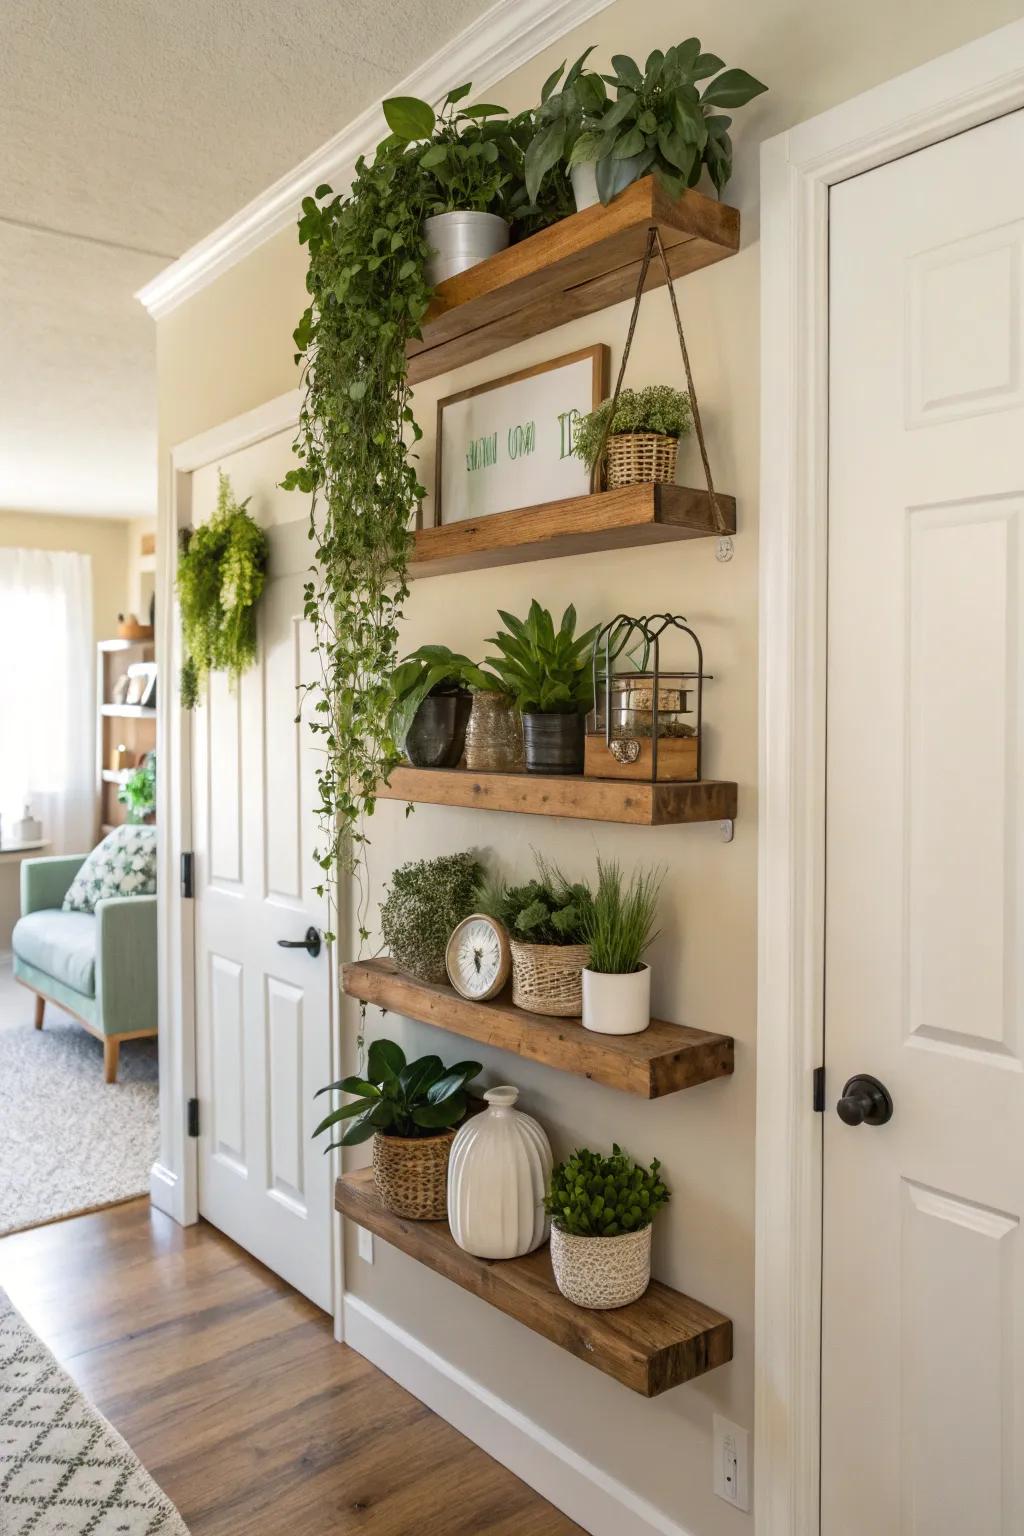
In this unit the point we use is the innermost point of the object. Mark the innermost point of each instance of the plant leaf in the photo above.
(627, 70)
(408, 117)
(545, 151)
(384, 1061)
(550, 83)
(437, 1116)
(733, 88)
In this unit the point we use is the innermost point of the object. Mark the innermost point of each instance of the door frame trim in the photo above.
(972, 85)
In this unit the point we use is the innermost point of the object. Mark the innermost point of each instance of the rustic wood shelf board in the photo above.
(658, 1342)
(581, 264)
(538, 794)
(619, 519)
(664, 1059)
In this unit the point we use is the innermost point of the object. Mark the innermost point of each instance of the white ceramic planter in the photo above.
(617, 1004)
(497, 1178)
(602, 1272)
(459, 240)
(584, 184)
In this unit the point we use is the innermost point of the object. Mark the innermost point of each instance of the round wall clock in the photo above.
(478, 958)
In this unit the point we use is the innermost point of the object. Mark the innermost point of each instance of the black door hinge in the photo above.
(818, 1101)
(186, 874)
(193, 1117)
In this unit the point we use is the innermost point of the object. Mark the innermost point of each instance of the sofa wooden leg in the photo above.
(111, 1052)
(40, 1009)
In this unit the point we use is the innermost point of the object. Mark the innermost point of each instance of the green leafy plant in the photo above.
(548, 910)
(221, 573)
(560, 136)
(471, 155)
(658, 408)
(595, 1196)
(434, 669)
(546, 670)
(399, 1098)
(138, 792)
(618, 922)
(426, 902)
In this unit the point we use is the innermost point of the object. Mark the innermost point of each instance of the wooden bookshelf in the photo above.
(132, 726)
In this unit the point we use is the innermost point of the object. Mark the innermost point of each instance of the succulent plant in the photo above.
(426, 903)
(591, 1195)
(400, 1098)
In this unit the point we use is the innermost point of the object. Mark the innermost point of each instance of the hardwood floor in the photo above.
(232, 1392)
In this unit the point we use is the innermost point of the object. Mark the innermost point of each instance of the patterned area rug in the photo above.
(64, 1471)
(68, 1141)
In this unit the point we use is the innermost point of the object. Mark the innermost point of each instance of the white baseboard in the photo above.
(164, 1192)
(584, 1492)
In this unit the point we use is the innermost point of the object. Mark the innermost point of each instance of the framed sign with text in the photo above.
(508, 444)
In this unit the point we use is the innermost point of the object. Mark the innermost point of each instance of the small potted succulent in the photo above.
(601, 1211)
(432, 704)
(548, 672)
(639, 443)
(618, 924)
(426, 902)
(412, 1110)
(545, 923)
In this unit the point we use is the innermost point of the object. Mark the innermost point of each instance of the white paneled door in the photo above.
(923, 1282)
(263, 1012)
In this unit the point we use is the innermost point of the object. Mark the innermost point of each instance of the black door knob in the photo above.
(311, 943)
(865, 1101)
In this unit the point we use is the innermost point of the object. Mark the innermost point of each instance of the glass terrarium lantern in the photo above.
(646, 720)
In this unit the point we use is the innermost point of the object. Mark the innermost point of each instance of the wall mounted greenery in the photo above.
(221, 572)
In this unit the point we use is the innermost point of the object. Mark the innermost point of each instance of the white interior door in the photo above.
(923, 1282)
(263, 1012)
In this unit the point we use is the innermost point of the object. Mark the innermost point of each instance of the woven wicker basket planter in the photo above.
(548, 978)
(640, 458)
(411, 1174)
(602, 1272)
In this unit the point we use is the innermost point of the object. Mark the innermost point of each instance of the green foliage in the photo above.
(559, 136)
(548, 910)
(618, 922)
(221, 573)
(594, 1196)
(658, 408)
(472, 155)
(433, 669)
(399, 1098)
(426, 902)
(545, 669)
(138, 792)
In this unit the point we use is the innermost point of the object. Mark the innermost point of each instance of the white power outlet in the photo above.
(364, 1245)
(731, 1462)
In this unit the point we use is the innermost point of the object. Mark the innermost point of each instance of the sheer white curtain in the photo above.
(47, 694)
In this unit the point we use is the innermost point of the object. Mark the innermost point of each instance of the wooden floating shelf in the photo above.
(664, 1059)
(581, 264)
(128, 712)
(620, 519)
(539, 794)
(658, 1342)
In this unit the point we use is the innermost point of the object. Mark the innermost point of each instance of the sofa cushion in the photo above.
(124, 864)
(61, 944)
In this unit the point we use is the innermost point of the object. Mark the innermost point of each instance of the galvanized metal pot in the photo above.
(459, 240)
(554, 743)
(437, 735)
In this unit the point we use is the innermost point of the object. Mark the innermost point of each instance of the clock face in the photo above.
(478, 958)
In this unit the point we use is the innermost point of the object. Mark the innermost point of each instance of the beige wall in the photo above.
(107, 540)
(230, 348)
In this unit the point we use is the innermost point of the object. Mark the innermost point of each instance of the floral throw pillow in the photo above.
(124, 864)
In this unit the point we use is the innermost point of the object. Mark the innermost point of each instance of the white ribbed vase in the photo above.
(497, 1178)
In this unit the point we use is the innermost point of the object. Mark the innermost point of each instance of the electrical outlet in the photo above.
(731, 1453)
(364, 1245)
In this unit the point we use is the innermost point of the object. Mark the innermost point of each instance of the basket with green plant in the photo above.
(601, 1211)
(545, 919)
(641, 440)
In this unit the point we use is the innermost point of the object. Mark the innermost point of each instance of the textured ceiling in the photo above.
(128, 130)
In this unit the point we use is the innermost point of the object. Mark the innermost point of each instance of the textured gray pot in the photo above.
(554, 743)
(438, 731)
(459, 240)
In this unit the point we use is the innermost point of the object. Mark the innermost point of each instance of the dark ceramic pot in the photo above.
(554, 743)
(437, 735)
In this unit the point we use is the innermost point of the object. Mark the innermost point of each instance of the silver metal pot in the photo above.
(460, 240)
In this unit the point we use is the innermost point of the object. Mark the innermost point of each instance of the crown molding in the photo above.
(507, 36)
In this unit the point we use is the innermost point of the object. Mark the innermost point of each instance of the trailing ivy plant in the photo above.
(221, 571)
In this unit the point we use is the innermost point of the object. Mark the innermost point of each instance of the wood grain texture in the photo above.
(658, 1342)
(537, 794)
(583, 263)
(579, 525)
(664, 1059)
(232, 1392)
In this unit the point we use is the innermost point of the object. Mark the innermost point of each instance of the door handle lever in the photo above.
(311, 943)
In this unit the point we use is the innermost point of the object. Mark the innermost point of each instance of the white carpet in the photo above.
(68, 1141)
(63, 1468)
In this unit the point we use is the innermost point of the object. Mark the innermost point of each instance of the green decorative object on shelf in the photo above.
(221, 574)
(407, 1099)
(548, 910)
(138, 792)
(658, 409)
(427, 901)
(592, 1195)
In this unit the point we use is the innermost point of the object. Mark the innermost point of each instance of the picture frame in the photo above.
(142, 684)
(520, 427)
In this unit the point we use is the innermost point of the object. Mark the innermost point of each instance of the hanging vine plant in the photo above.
(221, 573)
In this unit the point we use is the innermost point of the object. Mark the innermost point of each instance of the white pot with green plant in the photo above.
(560, 136)
(639, 443)
(601, 1211)
(618, 923)
(544, 921)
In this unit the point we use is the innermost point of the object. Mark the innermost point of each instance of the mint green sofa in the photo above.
(100, 967)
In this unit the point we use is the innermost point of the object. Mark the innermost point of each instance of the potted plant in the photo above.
(548, 671)
(601, 1211)
(545, 923)
(221, 572)
(618, 924)
(412, 1111)
(138, 792)
(426, 902)
(432, 704)
(640, 442)
(560, 136)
